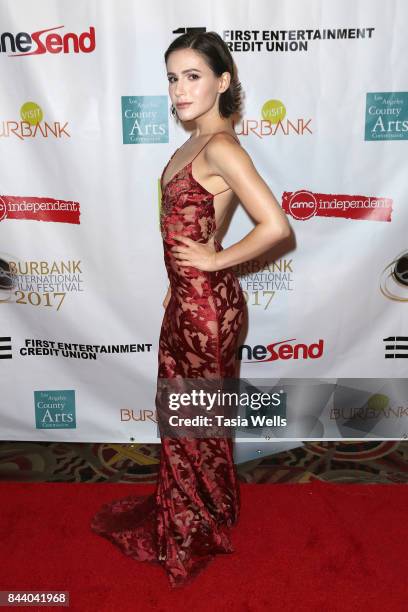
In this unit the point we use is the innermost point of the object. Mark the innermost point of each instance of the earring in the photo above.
(173, 110)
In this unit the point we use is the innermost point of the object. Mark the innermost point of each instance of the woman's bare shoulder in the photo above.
(223, 147)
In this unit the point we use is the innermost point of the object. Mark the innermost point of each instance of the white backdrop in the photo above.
(325, 122)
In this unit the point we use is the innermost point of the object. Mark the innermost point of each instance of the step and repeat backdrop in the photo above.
(85, 131)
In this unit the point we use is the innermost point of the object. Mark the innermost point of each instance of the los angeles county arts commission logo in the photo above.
(55, 409)
(145, 119)
(386, 115)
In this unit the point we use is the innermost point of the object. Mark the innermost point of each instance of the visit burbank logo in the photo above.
(32, 125)
(47, 41)
(303, 205)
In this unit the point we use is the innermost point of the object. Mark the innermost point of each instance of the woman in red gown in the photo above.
(197, 500)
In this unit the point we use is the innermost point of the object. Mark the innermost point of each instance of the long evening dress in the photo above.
(197, 499)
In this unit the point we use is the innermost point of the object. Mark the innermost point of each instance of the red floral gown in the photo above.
(197, 499)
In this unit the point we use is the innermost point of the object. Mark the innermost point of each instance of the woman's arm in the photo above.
(229, 160)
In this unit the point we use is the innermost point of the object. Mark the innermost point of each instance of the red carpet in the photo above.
(317, 547)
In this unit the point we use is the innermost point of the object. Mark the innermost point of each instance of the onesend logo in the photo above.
(55, 409)
(281, 350)
(31, 125)
(302, 205)
(51, 43)
(394, 279)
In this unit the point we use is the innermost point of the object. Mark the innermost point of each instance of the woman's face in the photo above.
(191, 80)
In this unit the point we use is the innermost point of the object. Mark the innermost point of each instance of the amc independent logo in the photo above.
(281, 350)
(39, 42)
(302, 205)
(39, 209)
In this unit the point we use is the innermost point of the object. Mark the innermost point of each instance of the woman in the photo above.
(187, 520)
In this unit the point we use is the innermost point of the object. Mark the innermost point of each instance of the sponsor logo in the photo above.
(145, 119)
(39, 283)
(128, 414)
(274, 122)
(262, 280)
(5, 347)
(47, 41)
(396, 347)
(394, 278)
(55, 409)
(32, 125)
(293, 40)
(281, 350)
(303, 205)
(386, 116)
(78, 350)
(34, 208)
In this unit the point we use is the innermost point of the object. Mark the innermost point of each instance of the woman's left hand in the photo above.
(196, 254)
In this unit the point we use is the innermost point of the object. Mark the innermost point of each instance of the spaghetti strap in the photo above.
(190, 163)
(220, 132)
(212, 135)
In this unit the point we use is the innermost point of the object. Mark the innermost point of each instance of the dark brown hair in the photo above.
(218, 57)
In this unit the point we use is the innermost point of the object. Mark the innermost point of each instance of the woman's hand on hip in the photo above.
(196, 254)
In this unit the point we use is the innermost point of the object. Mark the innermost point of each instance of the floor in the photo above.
(370, 462)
